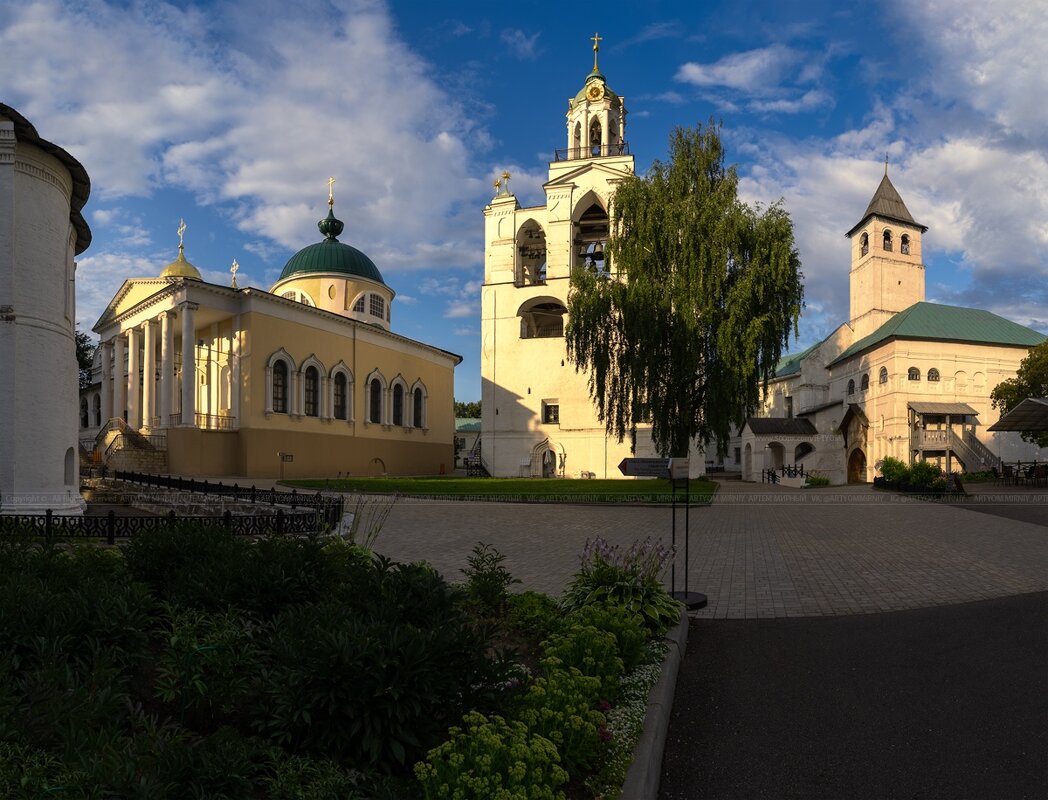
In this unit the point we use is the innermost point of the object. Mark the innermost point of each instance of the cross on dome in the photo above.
(596, 39)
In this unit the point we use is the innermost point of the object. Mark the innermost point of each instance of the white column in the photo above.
(149, 374)
(167, 351)
(188, 364)
(119, 378)
(134, 403)
(234, 371)
(107, 381)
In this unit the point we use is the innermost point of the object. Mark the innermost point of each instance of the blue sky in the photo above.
(233, 115)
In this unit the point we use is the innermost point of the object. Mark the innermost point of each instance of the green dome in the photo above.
(331, 255)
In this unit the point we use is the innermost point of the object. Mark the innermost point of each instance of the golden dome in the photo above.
(180, 268)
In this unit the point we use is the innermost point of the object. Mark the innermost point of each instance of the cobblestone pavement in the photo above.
(759, 551)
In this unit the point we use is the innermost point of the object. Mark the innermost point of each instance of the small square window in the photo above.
(378, 306)
(551, 413)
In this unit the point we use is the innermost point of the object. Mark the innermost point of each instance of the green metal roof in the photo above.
(791, 364)
(331, 255)
(934, 322)
(466, 424)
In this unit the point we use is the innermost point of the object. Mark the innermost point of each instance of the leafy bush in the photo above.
(894, 470)
(534, 614)
(560, 707)
(492, 760)
(487, 581)
(298, 778)
(626, 626)
(924, 475)
(628, 579)
(818, 480)
(208, 663)
(592, 651)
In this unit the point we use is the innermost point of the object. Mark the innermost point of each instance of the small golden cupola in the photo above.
(180, 268)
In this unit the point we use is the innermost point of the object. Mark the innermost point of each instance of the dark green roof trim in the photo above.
(791, 364)
(24, 131)
(887, 203)
(938, 323)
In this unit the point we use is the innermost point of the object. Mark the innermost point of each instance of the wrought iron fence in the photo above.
(329, 508)
(112, 527)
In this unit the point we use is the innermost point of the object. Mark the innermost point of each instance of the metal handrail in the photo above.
(592, 151)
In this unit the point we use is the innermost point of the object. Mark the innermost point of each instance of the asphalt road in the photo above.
(945, 702)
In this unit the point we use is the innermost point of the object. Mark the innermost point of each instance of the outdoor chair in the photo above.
(1009, 474)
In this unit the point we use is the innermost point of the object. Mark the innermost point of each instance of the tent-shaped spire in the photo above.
(887, 204)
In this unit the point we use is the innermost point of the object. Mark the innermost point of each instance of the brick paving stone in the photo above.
(758, 551)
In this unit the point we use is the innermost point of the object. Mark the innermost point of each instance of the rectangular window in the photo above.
(550, 413)
(738, 455)
(789, 407)
(378, 306)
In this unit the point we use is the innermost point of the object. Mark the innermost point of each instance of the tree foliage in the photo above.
(1031, 380)
(85, 355)
(703, 293)
(469, 410)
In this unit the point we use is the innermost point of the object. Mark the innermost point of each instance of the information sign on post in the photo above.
(645, 467)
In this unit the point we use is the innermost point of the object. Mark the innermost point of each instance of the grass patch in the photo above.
(520, 490)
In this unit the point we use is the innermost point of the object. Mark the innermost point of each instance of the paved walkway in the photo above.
(759, 551)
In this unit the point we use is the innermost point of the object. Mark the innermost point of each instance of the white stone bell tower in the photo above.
(42, 189)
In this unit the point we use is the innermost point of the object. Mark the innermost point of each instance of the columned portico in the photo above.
(188, 364)
(234, 369)
(149, 374)
(107, 381)
(134, 407)
(167, 351)
(119, 378)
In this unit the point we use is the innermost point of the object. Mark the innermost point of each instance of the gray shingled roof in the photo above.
(783, 426)
(888, 204)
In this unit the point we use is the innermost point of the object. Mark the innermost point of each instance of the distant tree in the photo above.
(468, 410)
(85, 356)
(1031, 380)
(699, 300)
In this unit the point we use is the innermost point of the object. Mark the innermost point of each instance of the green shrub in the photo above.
(894, 470)
(626, 626)
(534, 614)
(818, 480)
(28, 774)
(299, 778)
(924, 475)
(560, 706)
(629, 579)
(208, 663)
(492, 760)
(593, 652)
(487, 581)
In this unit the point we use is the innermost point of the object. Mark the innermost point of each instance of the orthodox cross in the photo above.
(596, 39)
(181, 230)
(331, 193)
(233, 269)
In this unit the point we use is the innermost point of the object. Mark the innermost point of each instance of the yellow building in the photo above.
(306, 379)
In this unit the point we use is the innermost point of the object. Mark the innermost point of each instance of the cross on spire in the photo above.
(181, 230)
(596, 39)
(233, 269)
(331, 193)
(885, 164)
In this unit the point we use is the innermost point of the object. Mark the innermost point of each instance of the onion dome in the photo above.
(180, 268)
(331, 255)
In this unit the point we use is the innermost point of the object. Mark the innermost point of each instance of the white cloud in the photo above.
(521, 44)
(467, 331)
(754, 72)
(407, 299)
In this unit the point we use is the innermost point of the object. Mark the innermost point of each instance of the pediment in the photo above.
(600, 173)
(132, 292)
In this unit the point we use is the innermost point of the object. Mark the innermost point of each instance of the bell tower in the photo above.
(596, 117)
(887, 275)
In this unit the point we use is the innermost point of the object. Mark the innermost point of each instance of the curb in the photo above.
(642, 779)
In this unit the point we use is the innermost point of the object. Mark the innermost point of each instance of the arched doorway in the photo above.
(857, 466)
(776, 456)
(549, 464)
(747, 463)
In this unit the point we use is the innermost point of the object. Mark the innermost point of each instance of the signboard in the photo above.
(679, 469)
(645, 467)
(286, 456)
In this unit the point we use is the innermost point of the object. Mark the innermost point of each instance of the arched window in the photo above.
(865, 242)
(280, 387)
(913, 374)
(576, 142)
(888, 241)
(312, 387)
(595, 149)
(933, 374)
(883, 375)
(98, 409)
(541, 320)
(358, 305)
(375, 397)
(531, 252)
(84, 417)
(851, 387)
(340, 396)
(904, 244)
(378, 306)
(865, 383)
(398, 404)
(419, 415)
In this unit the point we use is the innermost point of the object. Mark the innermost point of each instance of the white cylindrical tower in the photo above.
(42, 190)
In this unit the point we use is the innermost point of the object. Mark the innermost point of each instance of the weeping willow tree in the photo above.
(697, 303)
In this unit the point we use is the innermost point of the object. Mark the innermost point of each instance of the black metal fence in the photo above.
(111, 527)
(786, 471)
(329, 508)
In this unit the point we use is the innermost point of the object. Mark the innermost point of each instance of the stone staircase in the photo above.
(123, 448)
(976, 456)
